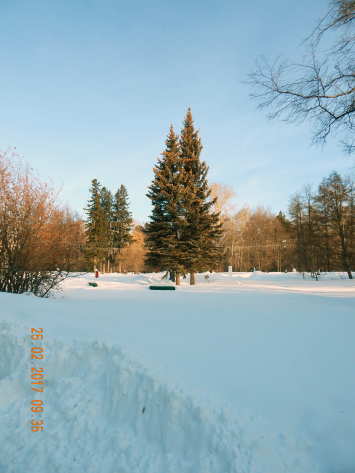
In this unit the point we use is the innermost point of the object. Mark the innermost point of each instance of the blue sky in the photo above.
(89, 89)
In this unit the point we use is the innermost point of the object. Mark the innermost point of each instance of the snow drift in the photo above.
(107, 410)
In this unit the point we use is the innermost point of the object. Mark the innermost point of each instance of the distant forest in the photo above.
(194, 225)
(318, 233)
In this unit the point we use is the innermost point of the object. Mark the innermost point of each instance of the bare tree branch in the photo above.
(321, 89)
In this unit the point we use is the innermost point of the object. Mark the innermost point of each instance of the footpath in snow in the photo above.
(253, 373)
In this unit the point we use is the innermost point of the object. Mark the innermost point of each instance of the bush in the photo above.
(40, 243)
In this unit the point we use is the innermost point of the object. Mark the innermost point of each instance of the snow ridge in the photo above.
(108, 410)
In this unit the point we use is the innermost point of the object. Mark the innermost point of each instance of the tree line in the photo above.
(319, 232)
(193, 227)
(256, 240)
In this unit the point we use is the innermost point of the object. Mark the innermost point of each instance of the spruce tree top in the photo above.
(190, 146)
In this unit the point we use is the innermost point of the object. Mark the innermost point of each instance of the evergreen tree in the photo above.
(184, 232)
(107, 207)
(284, 222)
(106, 203)
(166, 225)
(202, 231)
(122, 221)
(96, 226)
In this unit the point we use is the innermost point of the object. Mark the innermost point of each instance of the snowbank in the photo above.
(106, 410)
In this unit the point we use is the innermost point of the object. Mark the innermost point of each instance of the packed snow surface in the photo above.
(253, 373)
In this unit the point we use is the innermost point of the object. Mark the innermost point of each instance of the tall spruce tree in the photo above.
(165, 229)
(122, 221)
(202, 230)
(184, 233)
(96, 226)
(107, 207)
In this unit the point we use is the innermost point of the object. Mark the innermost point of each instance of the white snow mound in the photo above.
(108, 410)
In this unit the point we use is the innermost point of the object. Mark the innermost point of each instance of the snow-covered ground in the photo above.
(254, 373)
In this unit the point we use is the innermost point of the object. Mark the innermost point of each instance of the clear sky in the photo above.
(89, 89)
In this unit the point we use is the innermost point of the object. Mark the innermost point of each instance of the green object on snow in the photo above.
(162, 288)
(93, 284)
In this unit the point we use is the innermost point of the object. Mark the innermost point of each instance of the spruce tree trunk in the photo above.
(103, 268)
(178, 279)
(108, 265)
(192, 278)
(100, 267)
(120, 267)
